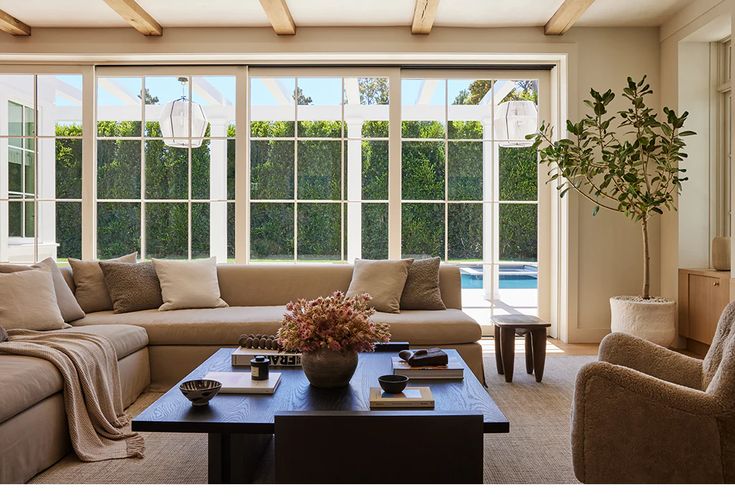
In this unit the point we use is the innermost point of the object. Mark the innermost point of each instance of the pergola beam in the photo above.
(136, 17)
(423, 16)
(11, 25)
(565, 16)
(279, 16)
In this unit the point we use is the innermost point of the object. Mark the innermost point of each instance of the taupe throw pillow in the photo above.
(383, 280)
(91, 291)
(28, 300)
(68, 305)
(132, 287)
(188, 284)
(422, 286)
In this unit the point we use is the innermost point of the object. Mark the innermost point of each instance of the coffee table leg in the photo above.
(235, 458)
(507, 347)
(498, 356)
(529, 353)
(539, 352)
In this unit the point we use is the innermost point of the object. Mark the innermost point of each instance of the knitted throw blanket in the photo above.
(92, 394)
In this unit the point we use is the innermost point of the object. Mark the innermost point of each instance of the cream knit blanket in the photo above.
(92, 394)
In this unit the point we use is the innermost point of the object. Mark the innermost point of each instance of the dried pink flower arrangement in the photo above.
(336, 322)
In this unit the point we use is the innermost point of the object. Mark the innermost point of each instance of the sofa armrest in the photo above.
(630, 427)
(646, 357)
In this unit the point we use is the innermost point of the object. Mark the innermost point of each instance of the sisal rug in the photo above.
(537, 450)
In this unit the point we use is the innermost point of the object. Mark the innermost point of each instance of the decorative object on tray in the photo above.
(393, 384)
(425, 357)
(259, 368)
(329, 332)
(412, 397)
(263, 345)
(243, 383)
(199, 392)
(451, 370)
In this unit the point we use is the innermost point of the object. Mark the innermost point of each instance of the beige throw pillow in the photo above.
(132, 287)
(421, 291)
(68, 305)
(89, 281)
(383, 280)
(188, 284)
(28, 300)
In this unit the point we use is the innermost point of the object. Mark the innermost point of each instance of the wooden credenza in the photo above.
(703, 294)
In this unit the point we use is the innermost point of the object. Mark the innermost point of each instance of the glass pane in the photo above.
(118, 229)
(216, 95)
(465, 231)
(422, 230)
(15, 170)
(466, 130)
(118, 169)
(518, 232)
(15, 118)
(68, 230)
(469, 92)
(470, 105)
(271, 170)
(518, 173)
(231, 158)
(319, 231)
(366, 109)
(374, 157)
(320, 128)
(68, 166)
(15, 219)
(29, 127)
(159, 91)
(465, 164)
(319, 107)
(319, 170)
(119, 111)
(423, 170)
(374, 230)
(516, 115)
(200, 228)
(60, 96)
(167, 230)
(272, 108)
(166, 171)
(211, 155)
(29, 219)
(271, 231)
(231, 231)
(423, 108)
(29, 178)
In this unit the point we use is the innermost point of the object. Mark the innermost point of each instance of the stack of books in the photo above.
(242, 383)
(411, 397)
(451, 371)
(242, 356)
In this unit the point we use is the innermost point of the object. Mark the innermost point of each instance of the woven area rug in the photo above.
(537, 450)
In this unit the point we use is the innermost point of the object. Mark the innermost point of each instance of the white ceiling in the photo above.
(469, 13)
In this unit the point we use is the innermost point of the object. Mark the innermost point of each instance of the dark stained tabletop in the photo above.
(253, 413)
(518, 321)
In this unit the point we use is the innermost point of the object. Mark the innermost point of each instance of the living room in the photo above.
(231, 231)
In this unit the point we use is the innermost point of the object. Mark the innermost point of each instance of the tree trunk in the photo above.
(646, 261)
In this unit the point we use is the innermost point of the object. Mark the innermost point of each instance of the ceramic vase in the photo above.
(327, 369)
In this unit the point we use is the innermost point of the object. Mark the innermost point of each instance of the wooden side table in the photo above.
(506, 329)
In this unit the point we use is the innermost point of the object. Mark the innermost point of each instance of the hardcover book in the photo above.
(411, 397)
(242, 356)
(452, 370)
(242, 382)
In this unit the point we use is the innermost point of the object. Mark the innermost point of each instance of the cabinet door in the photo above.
(707, 299)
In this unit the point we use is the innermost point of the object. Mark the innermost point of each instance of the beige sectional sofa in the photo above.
(158, 348)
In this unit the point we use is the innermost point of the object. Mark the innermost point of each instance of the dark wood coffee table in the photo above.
(240, 427)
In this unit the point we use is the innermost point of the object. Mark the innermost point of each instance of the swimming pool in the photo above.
(518, 277)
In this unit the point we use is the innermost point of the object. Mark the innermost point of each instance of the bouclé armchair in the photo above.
(646, 414)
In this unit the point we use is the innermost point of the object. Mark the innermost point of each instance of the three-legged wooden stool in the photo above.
(534, 329)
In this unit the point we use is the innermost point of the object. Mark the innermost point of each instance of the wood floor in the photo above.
(553, 346)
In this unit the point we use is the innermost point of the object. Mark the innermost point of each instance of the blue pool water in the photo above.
(525, 277)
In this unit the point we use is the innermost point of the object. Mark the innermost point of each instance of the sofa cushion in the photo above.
(28, 300)
(188, 284)
(89, 283)
(27, 380)
(224, 326)
(132, 286)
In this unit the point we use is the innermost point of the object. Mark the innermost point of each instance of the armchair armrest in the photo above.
(646, 357)
(630, 427)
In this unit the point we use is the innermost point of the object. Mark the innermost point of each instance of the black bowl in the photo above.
(393, 384)
(199, 392)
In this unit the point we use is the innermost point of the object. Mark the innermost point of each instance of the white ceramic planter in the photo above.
(653, 319)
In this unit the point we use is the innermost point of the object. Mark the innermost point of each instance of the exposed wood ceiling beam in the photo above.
(423, 16)
(565, 16)
(136, 17)
(11, 25)
(279, 16)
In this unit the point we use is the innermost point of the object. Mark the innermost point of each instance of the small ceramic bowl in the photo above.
(199, 392)
(393, 384)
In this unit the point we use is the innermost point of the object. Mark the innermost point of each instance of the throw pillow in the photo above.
(188, 284)
(422, 286)
(68, 305)
(28, 300)
(383, 280)
(132, 287)
(91, 291)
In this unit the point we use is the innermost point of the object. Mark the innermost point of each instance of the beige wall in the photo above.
(604, 252)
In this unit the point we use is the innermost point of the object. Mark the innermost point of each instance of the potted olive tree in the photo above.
(625, 162)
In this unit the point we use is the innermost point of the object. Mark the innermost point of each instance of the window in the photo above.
(21, 171)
